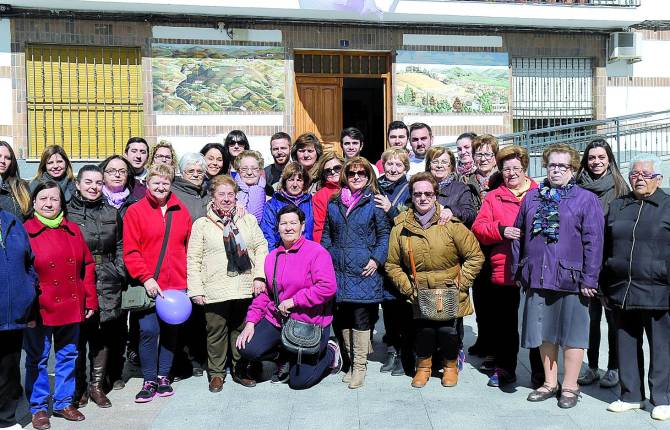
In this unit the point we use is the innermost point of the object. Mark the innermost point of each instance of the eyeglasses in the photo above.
(515, 170)
(332, 171)
(643, 175)
(163, 157)
(114, 172)
(440, 163)
(484, 155)
(193, 172)
(428, 194)
(249, 169)
(359, 173)
(559, 166)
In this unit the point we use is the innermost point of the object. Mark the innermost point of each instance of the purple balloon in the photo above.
(174, 307)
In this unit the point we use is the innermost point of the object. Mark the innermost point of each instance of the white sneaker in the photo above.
(619, 406)
(661, 412)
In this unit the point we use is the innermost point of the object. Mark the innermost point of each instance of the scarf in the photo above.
(424, 219)
(233, 243)
(349, 200)
(51, 223)
(387, 187)
(546, 220)
(115, 199)
(521, 192)
(603, 187)
(295, 200)
(465, 169)
(448, 180)
(483, 182)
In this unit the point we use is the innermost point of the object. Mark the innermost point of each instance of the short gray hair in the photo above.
(192, 158)
(647, 157)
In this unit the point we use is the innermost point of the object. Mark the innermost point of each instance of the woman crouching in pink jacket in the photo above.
(302, 275)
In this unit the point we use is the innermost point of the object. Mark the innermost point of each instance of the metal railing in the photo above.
(598, 3)
(628, 135)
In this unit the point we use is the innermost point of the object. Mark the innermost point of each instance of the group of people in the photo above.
(319, 241)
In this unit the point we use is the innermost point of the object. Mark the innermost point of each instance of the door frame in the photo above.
(387, 77)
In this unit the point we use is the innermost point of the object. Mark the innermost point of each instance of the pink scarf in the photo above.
(349, 200)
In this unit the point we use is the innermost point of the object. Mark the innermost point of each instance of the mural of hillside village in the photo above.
(452, 82)
(221, 78)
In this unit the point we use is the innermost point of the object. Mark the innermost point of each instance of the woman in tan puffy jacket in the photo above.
(225, 260)
(426, 255)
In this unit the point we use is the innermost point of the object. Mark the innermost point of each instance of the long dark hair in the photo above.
(620, 186)
(224, 153)
(17, 186)
(232, 137)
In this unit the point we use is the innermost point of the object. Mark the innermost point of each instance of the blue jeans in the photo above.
(37, 344)
(266, 342)
(155, 333)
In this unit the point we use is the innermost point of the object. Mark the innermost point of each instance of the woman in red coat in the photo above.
(494, 228)
(329, 170)
(67, 296)
(143, 231)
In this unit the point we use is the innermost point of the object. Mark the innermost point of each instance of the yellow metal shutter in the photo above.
(86, 98)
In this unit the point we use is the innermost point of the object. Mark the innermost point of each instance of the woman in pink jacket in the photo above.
(494, 228)
(305, 283)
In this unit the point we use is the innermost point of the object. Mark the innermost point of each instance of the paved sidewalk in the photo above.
(385, 402)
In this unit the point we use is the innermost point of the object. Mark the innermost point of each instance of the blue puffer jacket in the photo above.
(269, 220)
(352, 241)
(18, 279)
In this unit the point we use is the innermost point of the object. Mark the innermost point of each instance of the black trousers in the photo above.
(631, 326)
(356, 316)
(10, 375)
(484, 310)
(192, 347)
(593, 353)
(103, 342)
(397, 323)
(505, 343)
(431, 335)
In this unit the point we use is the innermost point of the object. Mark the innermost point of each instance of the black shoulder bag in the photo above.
(135, 297)
(297, 337)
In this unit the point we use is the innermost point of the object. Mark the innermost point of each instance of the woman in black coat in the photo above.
(454, 196)
(14, 193)
(101, 226)
(636, 283)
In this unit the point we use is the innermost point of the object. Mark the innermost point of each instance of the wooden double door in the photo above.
(325, 82)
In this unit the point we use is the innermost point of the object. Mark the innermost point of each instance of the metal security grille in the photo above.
(341, 64)
(84, 98)
(549, 92)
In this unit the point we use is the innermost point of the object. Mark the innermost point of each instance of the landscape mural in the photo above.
(451, 82)
(218, 78)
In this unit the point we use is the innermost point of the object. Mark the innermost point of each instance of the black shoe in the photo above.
(488, 365)
(198, 371)
(280, 375)
(398, 368)
(389, 364)
(567, 402)
(540, 396)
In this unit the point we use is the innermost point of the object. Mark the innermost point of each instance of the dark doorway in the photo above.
(363, 108)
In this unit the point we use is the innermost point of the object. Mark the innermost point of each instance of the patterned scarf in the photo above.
(465, 169)
(115, 199)
(448, 180)
(349, 200)
(546, 220)
(483, 182)
(233, 243)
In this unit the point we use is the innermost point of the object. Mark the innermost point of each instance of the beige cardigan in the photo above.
(206, 260)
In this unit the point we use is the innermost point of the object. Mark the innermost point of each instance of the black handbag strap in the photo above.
(168, 224)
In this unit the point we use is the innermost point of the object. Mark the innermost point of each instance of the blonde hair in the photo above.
(400, 154)
(163, 170)
(250, 154)
(219, 180)
(164, 144)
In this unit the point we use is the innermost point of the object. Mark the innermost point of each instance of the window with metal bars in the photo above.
(341, 63)
(549, 92)
(87, 99)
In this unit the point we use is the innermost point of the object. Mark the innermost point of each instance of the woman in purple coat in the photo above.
(557, 262)
(302, 274)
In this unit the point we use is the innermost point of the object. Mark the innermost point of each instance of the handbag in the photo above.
(435, 304)
(297, 337)
(135, 297)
